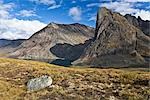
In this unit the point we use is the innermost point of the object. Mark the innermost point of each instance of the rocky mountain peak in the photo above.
(103, 14)
(55, 41)
(103, 11)
(54, 25)
(139, 23)
(115, 42)
(139, 18)
(77, 24)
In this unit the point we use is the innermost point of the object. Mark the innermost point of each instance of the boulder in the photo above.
(39, 83)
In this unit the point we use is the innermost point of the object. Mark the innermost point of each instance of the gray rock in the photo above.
(39, 83)
(112, 98)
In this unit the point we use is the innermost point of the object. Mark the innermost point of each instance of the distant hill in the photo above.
(7, 46)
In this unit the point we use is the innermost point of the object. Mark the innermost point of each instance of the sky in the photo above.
(20, 19)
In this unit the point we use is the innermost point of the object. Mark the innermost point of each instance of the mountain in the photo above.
(139, 23)
(116, 43)
(7, 46)
(56, 41)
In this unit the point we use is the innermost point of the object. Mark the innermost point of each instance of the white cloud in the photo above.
(73, 1)
(76, 13)
(93, 18)
(143, 14)
(15, 28)
(4, 9)
(27, 13)
(127, 8)
(54, 6)
(51, 3)
(148, 7)
(92, 4)
(122, 7)
(45, 2)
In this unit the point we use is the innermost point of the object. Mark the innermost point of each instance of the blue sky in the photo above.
(21, 18)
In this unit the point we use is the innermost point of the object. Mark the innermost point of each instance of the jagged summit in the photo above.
(72, 24)
(117, 42)
(54, 25)
(143, 25)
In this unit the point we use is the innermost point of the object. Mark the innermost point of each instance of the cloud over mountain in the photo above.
(14, 28)
(27, 13)
(126, 7)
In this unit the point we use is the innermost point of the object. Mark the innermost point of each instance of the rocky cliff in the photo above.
(116, 42)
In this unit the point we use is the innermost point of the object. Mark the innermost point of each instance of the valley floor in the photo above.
(72, 83)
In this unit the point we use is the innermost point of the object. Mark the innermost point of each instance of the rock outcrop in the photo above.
(116, 43)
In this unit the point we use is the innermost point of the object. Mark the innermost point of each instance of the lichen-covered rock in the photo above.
(39, 83)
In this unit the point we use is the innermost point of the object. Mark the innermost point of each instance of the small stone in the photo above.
(99, 86)
(39, 83)
(112, 98)
(122, 85)
(71, 85)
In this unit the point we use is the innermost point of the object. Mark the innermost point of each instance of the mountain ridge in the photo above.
(143, 25)
(116, 42)
(115, 34)
(39, 44)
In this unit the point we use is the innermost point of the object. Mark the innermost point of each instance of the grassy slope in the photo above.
(71, 83)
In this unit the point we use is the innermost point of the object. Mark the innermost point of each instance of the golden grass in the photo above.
(70, 83)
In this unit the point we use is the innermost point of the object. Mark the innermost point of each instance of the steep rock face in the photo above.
(116, 42)
(139, 23)
(38, 46)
